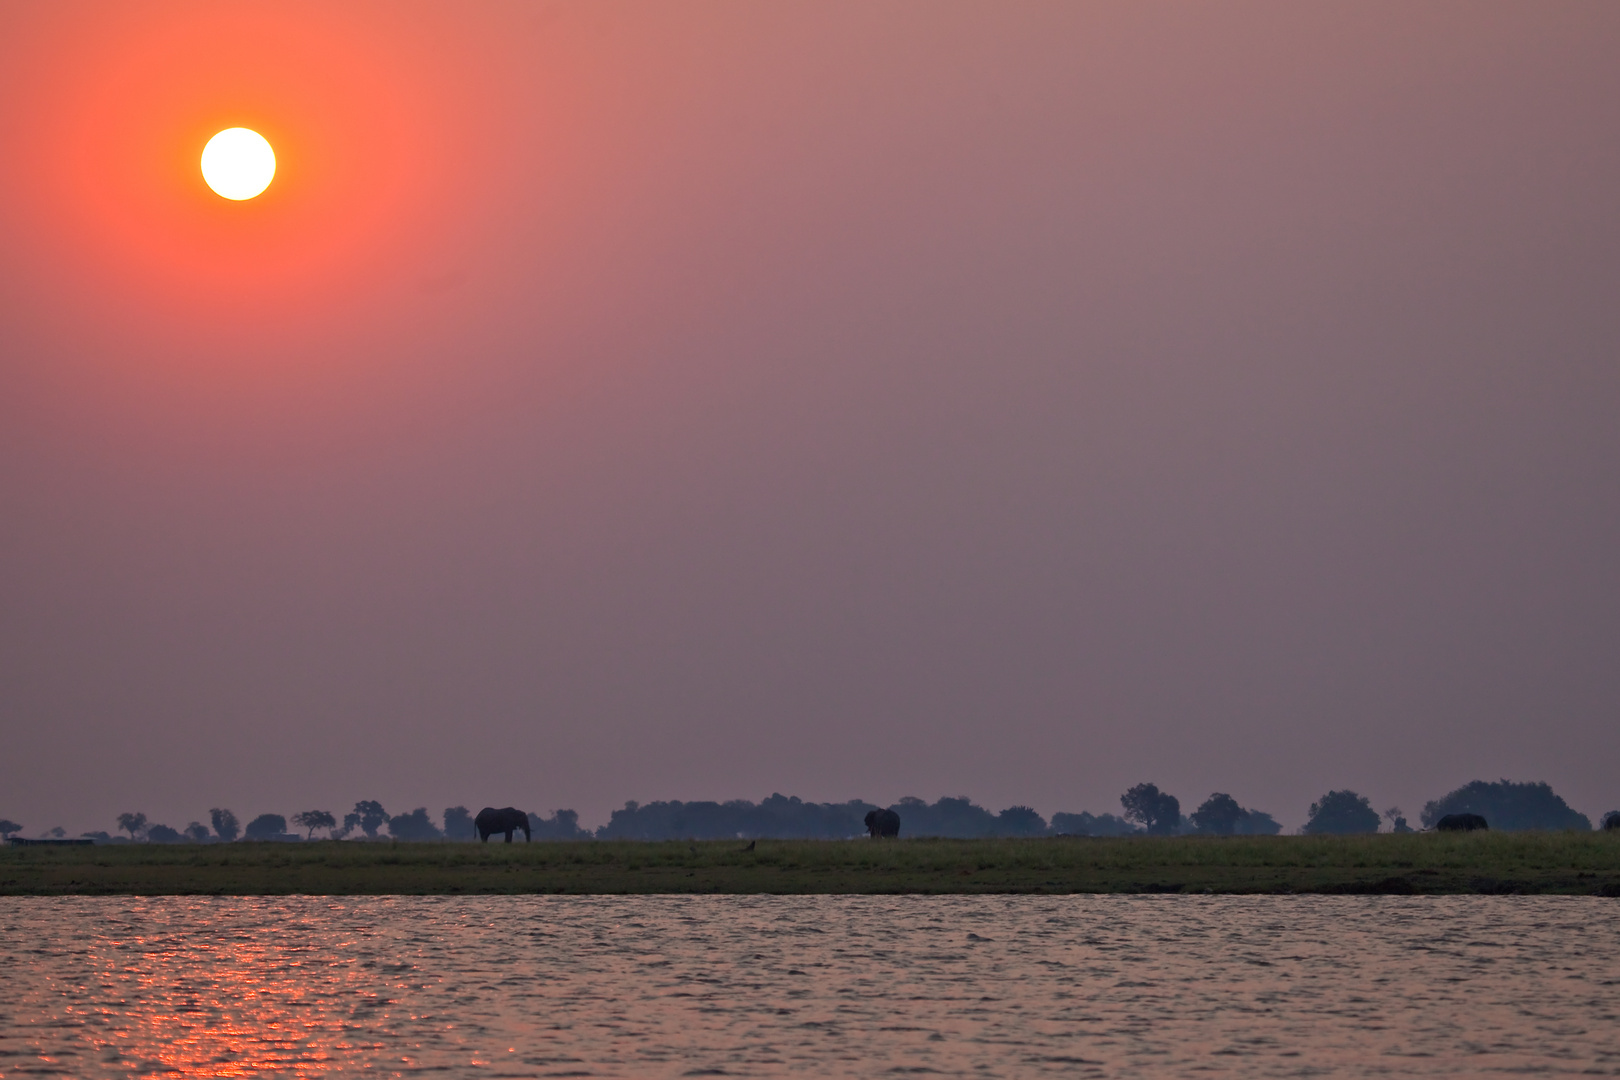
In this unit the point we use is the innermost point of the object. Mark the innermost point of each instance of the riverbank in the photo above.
(1576, 863)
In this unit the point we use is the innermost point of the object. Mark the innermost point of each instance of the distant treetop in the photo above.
(415, 826)
(1508, 806)
(310, 820)
(1342, 812)
(1020, 821)
(1087, 824)
(458, 823)
(1220, 815)
(561, 825)
(266, 827)
(1155, 810)
(225, 824)
(369, 815)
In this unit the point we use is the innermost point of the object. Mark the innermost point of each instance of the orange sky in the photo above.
(845, 399)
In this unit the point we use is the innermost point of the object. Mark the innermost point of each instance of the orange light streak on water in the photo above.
(830, 986)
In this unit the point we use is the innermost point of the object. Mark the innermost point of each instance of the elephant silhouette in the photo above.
(1461, 823)
(883, 823)
(506, 820)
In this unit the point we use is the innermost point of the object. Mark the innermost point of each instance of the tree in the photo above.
(1219, 815)
(162, 834)
(197, 832)
(458, 823)
(369, 815)
(1258, 823)
(1156, 811)
(266, 827)
(1611, 821)
(564, 825)
(415, 825)
(224, 824)
(1341, 812)
(314, 819)
(1020, 821)
(1508, 807)
(1397, 820)
(1085, 824)
(776, 816)
(132, 823)
(950, 815)
(7, 827)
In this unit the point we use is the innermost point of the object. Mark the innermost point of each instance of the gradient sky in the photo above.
(642, 400)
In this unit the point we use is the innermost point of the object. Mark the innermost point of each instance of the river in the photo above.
(823, 986)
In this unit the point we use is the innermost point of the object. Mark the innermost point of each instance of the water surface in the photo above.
(820, 985)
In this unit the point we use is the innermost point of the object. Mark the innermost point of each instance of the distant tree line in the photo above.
(1146, 810)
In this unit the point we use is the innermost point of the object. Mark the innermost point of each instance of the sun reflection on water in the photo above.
(766, 986)
(218, 1000)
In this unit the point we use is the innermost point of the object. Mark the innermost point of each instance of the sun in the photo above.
(238, 163)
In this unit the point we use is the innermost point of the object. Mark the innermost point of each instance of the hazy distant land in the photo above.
(1503, 805)
(1528, 862)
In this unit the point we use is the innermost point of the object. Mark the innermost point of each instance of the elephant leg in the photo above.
(508, 836)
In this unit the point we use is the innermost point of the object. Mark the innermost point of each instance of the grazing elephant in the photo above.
(1461, 823)
(506, 819)
(883, 823)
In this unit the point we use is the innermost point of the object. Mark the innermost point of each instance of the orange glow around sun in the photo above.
(139, 92)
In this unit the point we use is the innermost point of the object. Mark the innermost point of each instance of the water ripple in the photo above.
(829, 986)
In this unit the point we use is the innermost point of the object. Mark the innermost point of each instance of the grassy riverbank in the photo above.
(1586, 863)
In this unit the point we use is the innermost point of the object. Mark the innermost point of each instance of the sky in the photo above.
(846, 399)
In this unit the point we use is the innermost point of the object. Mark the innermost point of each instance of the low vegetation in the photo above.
(1526, 862)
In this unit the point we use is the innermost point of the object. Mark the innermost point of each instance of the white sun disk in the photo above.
(238, 163)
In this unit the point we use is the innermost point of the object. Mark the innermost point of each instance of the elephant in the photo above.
(883, 823)
(506, 819)
(1461, 823)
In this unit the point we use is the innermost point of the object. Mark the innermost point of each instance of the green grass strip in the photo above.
(1531, 862)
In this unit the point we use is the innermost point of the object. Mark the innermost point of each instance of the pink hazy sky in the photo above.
(640, 401)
